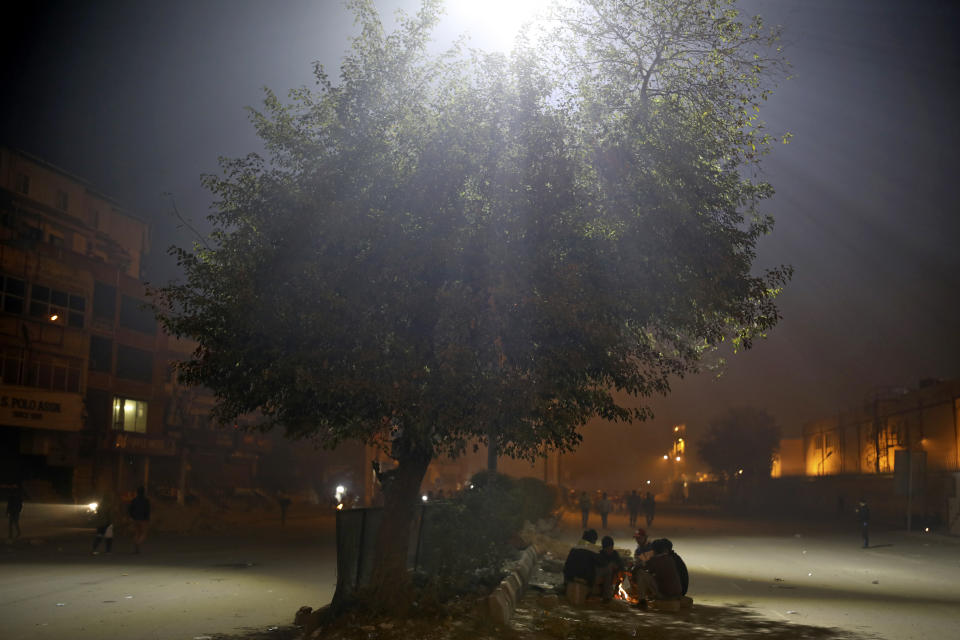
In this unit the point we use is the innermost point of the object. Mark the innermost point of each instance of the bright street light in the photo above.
(493, 23)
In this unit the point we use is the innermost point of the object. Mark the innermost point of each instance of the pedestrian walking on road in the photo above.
(604, 506)
(140, 513)
(649, 508)
(14, 507)
(104, 526)
(633, 507)
(863, 513)
(584, 503)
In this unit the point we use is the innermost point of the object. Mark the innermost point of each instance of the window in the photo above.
(55, 239)
(129, 415)
(23, 184)
(57, 306)
(135, 315)
(11, 365)
(104, 301)
(134, 364)
(48, 372)
(12, 292)
(101, 354)
(63, 200)
(99, 408)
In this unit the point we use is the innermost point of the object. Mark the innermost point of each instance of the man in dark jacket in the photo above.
(681, 567)
(140, 513)
(610, 568)
(664, 570)
(14, 507)
(863, 513)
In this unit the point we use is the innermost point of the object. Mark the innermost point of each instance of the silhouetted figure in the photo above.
(604, 506)
(610, 568)
(633, 507)
(681, 567)
(589, 540)
(584, 503)
(863, 513)
(582, 561)
(649, 507)
(140, 513)
(14, 507)
(663, 568)
(104, 526)
(644, 551)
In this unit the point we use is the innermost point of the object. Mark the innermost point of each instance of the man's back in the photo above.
(581, 563)
(140, 508)
(664, 570)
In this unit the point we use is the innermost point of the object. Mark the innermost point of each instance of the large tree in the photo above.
(444, 249)
(740, 443)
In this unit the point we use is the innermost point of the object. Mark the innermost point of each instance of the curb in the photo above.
(502, 602)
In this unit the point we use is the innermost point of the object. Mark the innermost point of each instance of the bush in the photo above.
(538, 499)
(466, 540)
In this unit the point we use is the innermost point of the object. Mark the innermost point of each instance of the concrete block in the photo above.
(509, 589)
(500, 607)
(516, 584)
(577, 593)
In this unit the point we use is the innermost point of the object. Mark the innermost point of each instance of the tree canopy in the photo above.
(741, 442)
(434, 244)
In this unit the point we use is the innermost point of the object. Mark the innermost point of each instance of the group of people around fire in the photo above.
(654, 573)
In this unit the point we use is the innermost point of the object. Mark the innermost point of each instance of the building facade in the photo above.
(866, 439)
(89, 401)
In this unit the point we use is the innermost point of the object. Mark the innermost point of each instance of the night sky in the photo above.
(140, 98)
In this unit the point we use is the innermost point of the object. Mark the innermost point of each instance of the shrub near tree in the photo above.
(438, 249)
(467, 539)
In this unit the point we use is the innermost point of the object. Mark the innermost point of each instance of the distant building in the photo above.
(88, 400)
(865, 439)
(788, 461)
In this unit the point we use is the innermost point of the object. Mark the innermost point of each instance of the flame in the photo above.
(623, 587)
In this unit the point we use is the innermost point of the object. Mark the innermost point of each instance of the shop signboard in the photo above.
(40, 409)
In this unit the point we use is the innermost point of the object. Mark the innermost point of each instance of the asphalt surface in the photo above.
(750, 578)
(250, 579)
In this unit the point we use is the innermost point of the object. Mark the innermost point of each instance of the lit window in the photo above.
(129, 415)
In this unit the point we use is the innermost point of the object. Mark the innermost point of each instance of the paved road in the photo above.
(180, 587)
(256, 577)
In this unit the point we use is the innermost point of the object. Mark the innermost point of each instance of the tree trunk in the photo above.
(492, 452)
(390, 581)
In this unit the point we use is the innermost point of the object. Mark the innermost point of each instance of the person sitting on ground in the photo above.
(589, 540)
(663, 568)
(611, 566)
(643, 551)
(681, 567)
(581, 565)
